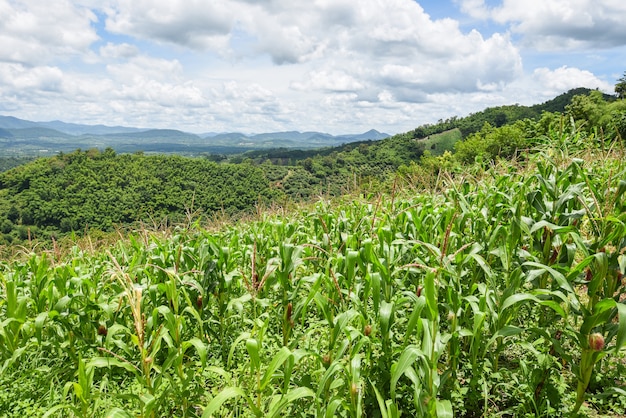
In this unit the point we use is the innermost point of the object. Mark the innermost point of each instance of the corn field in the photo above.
(498, 293)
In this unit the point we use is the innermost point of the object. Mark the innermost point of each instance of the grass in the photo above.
(437, 144)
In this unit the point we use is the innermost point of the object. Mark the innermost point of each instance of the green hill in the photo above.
(501, 115)
(437, 144)
(37, 133)
(101, 190)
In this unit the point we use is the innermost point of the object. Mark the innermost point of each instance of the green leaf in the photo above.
(560, 278)
(54, 409)
(252, 345)
(332, 406)
(602, 312)
(504, 332)
(621, 331)
(413, 319)
(355, 369)
(109, 362)
(200, 348)
(406, 360)
(508, 331)
(556, 307)
(117, 413)
(298, 393)
(621, 188)
(430, 291)
(279, 358)
(223, 396)
(444, 409)
(386, 317)
(381, 401)
(516, 298)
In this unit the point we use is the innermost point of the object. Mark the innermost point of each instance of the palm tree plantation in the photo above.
(473, 267)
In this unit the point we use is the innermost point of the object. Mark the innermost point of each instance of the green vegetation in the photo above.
(502, 115)
(438, 144)
(620, 87)
(485, 282)
(7, 163)
(100, 190)
(480, 298)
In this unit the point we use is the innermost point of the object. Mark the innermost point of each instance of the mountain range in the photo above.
(24, 137)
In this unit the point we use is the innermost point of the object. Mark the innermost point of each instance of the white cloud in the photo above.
(558, 24)
(475, 8)
(25, 80)
(37, 31)
(194, 24)
(564, 78)
(119, 51)
(331, 81)
(143, 67)
(259, 65)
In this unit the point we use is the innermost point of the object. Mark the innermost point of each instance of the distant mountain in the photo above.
(156, 134)
(372, 134)
(228, 136)
(77, 129)
(292, 139)
(37, 133)
(9, 122)
(24, 137)
(5, 133)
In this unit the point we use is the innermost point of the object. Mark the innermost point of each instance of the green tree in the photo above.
(620, 87)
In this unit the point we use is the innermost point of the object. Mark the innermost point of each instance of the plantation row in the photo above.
(497, 295)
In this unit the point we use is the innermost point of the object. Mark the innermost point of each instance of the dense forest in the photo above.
(98, 190)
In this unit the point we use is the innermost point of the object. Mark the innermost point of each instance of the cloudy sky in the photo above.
(337, 66)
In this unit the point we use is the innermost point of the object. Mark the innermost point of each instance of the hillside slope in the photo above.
(493, 294)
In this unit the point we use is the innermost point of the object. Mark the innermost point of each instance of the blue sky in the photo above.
(336, 66)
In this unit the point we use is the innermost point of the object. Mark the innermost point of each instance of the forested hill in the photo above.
(93, 189)
(100, 189)
(501, 115)
(97, 190)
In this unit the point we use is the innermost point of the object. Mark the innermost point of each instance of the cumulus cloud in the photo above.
(259, 65)
(146, 67)
(25, 80)
(558, 24)
(36, 31)
(329, 81)
(394, 51)
(195, 24)
(117, 51)
(564, 78)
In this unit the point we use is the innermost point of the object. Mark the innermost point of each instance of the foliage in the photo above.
(478, 300)
(500, 115)
(490, 143)
(438, 144)
(7, 163)
(620, 87)
(594, 114)
(98, 190)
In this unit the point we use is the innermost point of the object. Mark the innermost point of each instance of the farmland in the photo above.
(484, 282)
(499, 291)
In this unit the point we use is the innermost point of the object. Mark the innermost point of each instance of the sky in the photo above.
(335, 66)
